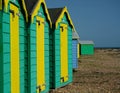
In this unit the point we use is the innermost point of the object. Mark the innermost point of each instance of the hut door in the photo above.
(14, 49)
(40, 54)
(64, 52)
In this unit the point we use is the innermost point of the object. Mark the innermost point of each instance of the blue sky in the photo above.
(97, 20)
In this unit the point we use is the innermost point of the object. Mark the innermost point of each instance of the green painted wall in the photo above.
(87, 49)
(23, 52)
(1, 54)
(55, 55)
(5, 52)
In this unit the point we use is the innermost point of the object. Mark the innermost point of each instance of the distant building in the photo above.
(86, 47)
(75, 49)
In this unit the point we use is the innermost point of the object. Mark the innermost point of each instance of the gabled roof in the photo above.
(75, 35)
(54, 13)
(30, 5)
(86, 42)
(57, 14)
(31, 8)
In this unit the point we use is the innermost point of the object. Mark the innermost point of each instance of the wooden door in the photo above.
(64, 52)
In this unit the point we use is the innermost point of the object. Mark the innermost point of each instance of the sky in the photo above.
(96, 20)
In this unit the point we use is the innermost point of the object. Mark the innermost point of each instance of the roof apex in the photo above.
(56, 15)
(34, 7)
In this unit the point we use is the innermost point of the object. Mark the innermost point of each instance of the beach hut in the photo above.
(60, 47)
(12, 47)
(75, 49)
(37, 66)
(86, 47)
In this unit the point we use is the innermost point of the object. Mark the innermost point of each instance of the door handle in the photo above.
(43, 22)
(18, 14)
(38, 88)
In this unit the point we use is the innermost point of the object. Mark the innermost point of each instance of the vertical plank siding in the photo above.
(32, 62)
(31, 57)
(55, 57)
(75, 53)
(6, 53)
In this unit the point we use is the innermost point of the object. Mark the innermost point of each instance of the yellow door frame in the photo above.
(14, 49)
(0, 4)
(64, 52)
(40, 54)
(78, 51)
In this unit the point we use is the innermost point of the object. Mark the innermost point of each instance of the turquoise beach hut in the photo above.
(60, 47)
(37, 27)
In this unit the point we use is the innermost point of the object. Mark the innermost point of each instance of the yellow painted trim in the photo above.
(14, 50)
(61, 16)
(40, 54)
(26, 13)
(6, 4)
(0, 4)
(35, 12)
(64, 52)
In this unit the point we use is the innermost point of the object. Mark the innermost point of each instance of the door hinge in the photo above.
(62, 28)
(38, 21)
(13, 12)
(62, 78)
(38, 88)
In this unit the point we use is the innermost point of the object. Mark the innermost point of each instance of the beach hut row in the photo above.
(80, 48)
(35, 47)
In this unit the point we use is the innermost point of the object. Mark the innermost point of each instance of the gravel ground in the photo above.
(99, 73)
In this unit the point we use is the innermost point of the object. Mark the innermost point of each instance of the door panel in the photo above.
(14, 46)
(64, 52)
(40, 54)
